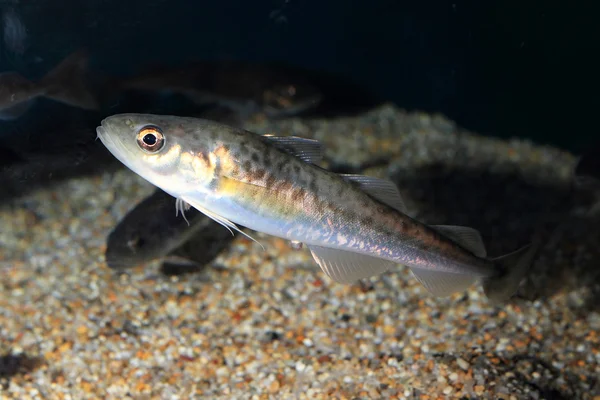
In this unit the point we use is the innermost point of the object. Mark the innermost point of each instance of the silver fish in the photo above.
(355, 226)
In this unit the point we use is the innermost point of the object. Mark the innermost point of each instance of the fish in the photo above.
(354, 226)
(65, 84)
(273, 89)
(201, 249)
(152, 230)
(14, 31)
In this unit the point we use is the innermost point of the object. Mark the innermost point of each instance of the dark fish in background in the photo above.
(65, 84)
(202, 248)
(587, 171)
(223, 115)
(341, 95)
(276, 90)
(151, 230)
(55, 145)
(14, 32)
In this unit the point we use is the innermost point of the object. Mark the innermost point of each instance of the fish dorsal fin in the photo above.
(442, 284)
(308, 150)
(468, 238)
(217, 218)
(348, 267)
(380, 189)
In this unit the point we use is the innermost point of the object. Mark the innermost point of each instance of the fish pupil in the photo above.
(149, 139)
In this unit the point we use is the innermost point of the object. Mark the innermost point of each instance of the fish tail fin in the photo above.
(66, 83)
(512, 269)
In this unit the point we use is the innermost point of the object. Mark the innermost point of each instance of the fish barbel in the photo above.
(355, 226)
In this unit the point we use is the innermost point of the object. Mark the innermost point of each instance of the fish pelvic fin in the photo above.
(512, 269)
(66, 83)
(219, 219)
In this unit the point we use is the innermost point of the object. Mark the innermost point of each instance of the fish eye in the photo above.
(150, 139)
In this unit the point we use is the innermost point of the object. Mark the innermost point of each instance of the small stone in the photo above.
(464, 365)
(274, 387)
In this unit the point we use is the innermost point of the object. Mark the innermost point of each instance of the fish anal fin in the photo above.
(348, 267)
(308, 150)
(442, 284)
(380, 189)
(468, 238)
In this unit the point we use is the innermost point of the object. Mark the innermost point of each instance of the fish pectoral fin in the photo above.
(442, 284)
(468, 238)
(348, 267)
(380, 189)
(219, 219)
(308, 150)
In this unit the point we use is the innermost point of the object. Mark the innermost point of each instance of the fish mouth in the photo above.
(118, 151)
(102, 134)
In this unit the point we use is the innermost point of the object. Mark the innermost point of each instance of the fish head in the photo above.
(287, 99)
(127, 247)
(167, 151)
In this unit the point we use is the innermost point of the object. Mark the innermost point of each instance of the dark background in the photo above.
(502, 68)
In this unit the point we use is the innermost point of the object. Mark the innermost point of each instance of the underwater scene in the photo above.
(294, 199)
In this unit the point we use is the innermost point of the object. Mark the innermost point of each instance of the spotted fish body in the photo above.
(355, 226)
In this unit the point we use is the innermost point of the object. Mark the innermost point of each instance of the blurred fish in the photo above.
(65, 84)
(151, 230)
(37, 159)
(14, 32)
(202, 248)
(355, 226)
(273, 89)
(587, 171)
